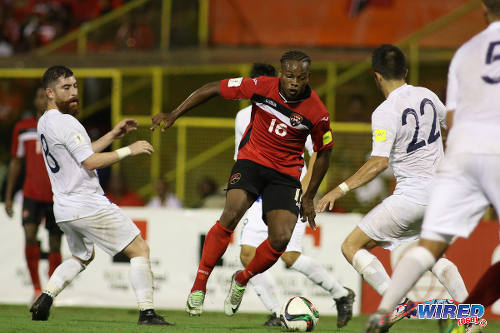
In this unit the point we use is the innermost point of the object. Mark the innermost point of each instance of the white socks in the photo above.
(447, 273)
(265, 288)
(411, 267)
(141, 279)
(319, 275)
(372, 270)
(63, 275)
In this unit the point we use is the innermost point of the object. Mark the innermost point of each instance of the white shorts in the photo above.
(254, 230)
(465, 185)
(109, 228)
(394, 221)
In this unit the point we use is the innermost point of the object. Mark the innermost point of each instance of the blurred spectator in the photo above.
(357, 110)
(119, 193)
(11, 102)
(164, 197)
(211, 196)
(134, 33)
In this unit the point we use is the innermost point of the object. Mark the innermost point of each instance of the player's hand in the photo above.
(327, 201)
(307, 211)
(8, 207)
(167, 119)
(141, 147)
(123, 127)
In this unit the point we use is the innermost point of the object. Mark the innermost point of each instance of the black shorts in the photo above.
(34, 212)
(278, 190)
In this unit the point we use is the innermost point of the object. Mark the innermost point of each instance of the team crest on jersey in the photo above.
(295, 119)
(235, 178)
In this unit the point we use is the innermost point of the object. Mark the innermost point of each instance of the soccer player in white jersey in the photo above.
(406, 136)
(254, 232)
(81, 210)
(468, 179)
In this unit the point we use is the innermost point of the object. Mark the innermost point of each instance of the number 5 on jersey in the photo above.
(279, 129)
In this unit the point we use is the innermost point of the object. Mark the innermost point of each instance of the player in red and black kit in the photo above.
(37, 193)
(285, 111)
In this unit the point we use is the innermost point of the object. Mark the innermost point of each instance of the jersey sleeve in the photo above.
(441, 112)
(238, 88)
(384, 130)
(75, 139)
(16, 149)
(452, 88)
(321, 134)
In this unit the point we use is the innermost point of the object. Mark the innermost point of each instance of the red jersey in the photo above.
(278, 129)
(25, 144)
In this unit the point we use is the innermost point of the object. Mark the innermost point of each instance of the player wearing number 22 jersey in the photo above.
(407, 137)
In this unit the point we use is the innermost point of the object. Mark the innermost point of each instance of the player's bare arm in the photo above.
(198, 97)
(374, 166)
(318, 172)
(15, 166)
(102, 160)
(119, 131)
(307, 177)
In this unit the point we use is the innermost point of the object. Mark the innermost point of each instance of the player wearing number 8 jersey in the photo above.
(406, 136)
(285, 111)
(468, 179)
(81, 210)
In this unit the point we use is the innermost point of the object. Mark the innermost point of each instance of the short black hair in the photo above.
(389, 61)
(493, 6)
(260, 69)
(54, 73)
(295, 55)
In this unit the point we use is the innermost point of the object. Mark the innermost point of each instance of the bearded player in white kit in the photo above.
(468, 179)
(81, 210)
(406, 136)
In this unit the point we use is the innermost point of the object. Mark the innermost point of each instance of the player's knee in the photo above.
(280, 240)
(230, 217)
(348, 250)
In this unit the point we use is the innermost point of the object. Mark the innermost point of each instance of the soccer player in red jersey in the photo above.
(285, 111)
(37, 193)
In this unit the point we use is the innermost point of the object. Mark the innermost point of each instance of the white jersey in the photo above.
(406, 128)
(473, 92)
(65, 145)
(241, 123)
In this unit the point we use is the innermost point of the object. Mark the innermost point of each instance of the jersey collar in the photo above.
(395, 91)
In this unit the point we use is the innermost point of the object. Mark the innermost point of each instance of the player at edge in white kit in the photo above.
(254, 232)
(406, 136)
(80, 207)
(467, 180)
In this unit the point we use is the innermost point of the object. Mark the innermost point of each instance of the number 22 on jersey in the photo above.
(433, 135)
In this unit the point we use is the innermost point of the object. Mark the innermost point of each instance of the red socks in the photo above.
(54, 261)
(216, 243)
(487, 289)
(265, 257)
(32, 253)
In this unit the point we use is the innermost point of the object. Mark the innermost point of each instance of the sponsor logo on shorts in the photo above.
(235, 178)
(295, 119)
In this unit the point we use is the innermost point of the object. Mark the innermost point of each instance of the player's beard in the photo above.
(66, 107)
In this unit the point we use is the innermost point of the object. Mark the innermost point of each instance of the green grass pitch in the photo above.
(17, 319)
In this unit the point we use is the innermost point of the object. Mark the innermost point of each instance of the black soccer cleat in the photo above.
(344, 308)
(41, 308)
(273, 321)
(149, 317)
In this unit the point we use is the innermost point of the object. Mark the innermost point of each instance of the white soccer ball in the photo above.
(299, 314)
